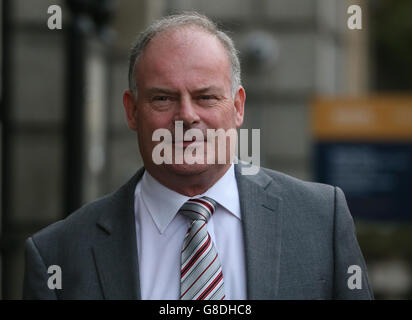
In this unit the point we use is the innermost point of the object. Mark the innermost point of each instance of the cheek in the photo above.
(149, 121)
(223, 117)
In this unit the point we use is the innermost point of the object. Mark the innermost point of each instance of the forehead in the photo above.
(186, 51)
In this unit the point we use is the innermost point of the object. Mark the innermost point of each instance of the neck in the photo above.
(188, 183)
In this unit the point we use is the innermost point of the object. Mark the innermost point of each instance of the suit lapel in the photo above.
(261, 220)
(115, 252)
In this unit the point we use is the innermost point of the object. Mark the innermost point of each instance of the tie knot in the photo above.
(198, 209)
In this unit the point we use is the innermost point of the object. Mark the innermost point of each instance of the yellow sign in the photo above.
(376, 118)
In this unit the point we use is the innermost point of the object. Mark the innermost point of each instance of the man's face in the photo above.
(183, 75)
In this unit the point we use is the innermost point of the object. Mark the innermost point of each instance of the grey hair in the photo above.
(183, 20)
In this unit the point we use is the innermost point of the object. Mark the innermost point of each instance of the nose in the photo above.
(186, 112)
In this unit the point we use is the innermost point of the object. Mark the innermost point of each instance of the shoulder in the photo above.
(306, 195)
(308, 209)
(287, 184)
(83, 224)
(299, 198)
(75, 227)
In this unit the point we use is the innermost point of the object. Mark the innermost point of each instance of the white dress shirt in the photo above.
(160, 232)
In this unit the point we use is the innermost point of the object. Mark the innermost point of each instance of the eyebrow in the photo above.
(156, 90)
(207, 89)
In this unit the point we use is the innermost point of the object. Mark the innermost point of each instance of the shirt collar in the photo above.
(164, 203)
(225, 192)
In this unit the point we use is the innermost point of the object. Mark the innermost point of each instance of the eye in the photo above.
(162, 102)
(161, 98)
(207, 97)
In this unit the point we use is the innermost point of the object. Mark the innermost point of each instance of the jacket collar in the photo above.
(116, 251)
(261, 220)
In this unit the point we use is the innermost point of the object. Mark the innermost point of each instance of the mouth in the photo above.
(186, 142)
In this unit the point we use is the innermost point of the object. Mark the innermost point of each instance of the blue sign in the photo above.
(375, 177)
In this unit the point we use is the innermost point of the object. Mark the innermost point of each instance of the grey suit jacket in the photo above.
(299, 243)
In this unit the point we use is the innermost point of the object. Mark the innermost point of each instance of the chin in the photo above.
(188, 169)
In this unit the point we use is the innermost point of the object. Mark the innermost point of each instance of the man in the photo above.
(202, 230)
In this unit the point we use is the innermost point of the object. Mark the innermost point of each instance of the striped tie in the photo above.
(201, 275)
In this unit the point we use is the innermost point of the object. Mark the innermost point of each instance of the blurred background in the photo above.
(333, 104)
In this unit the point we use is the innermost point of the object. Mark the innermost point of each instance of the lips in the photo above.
(180, 141)
(187, 140)
(186, 143)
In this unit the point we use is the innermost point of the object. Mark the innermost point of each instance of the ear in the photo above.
(130, 107)
(239, 102)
